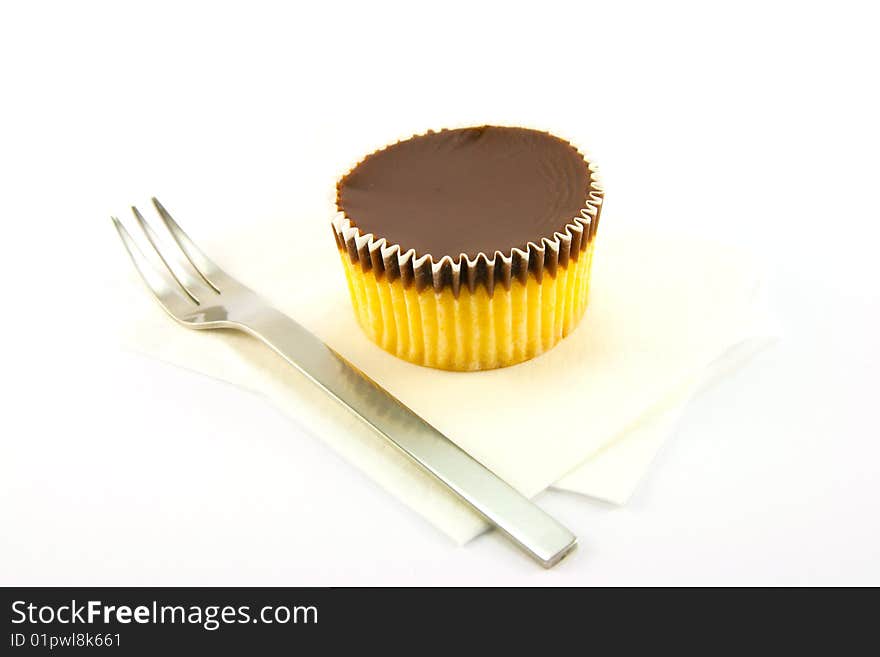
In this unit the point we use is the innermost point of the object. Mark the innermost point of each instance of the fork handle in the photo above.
(530, 528)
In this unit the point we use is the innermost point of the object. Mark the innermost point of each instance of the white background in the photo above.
(756, 123)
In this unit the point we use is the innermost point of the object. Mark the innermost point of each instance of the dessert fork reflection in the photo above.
(200, 295)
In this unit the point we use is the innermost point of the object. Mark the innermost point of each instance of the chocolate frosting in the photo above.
(467, 191)
(475, 206)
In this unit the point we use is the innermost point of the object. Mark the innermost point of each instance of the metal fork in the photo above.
(200, 295)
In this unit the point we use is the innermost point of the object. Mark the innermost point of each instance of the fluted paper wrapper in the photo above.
(471, 313)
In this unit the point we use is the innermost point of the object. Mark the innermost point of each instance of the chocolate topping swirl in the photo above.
(471, 205)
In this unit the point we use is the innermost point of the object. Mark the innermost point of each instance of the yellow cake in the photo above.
(469, 249)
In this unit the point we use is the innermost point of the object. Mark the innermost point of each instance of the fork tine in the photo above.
(197, 259)
(177, 273)
(160, 285)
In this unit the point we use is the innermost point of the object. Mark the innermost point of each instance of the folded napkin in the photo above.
(588, 416)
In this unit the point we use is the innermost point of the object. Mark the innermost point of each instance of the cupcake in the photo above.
(469, 249)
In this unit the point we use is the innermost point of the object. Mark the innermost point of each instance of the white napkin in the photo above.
(587, 416)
